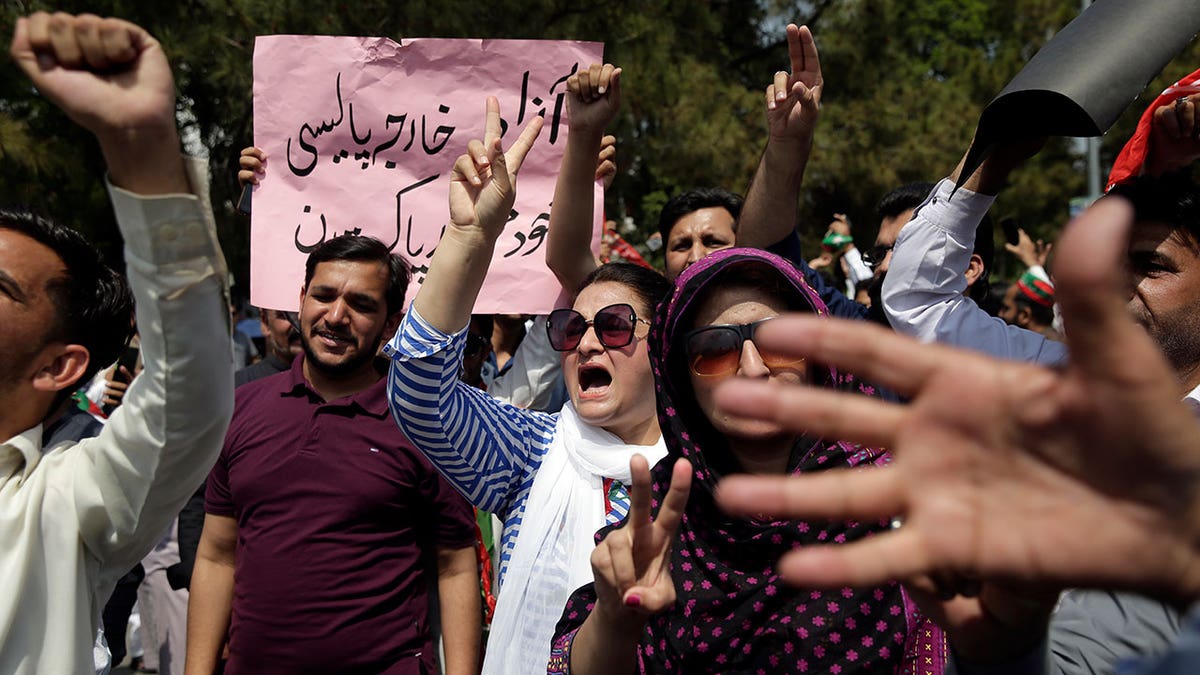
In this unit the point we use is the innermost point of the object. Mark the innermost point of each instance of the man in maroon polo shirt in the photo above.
(336, 521)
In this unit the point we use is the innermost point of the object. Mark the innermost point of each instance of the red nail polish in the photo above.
(633, 600)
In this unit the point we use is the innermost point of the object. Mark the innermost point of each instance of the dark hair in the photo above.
(484, 323)
(648, 285)
(1172, 198)
(358, 248)
(693, 200)
(93, 304)
(903, 198)
(1041, 314)
(985, 248)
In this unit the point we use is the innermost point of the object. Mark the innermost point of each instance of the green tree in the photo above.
(906, 81)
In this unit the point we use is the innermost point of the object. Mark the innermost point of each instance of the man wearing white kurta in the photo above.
(76, 516)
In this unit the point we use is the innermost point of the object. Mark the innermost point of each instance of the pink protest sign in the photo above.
(361, 135)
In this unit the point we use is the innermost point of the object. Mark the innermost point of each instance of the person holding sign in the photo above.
(553, 479)
(694, 591)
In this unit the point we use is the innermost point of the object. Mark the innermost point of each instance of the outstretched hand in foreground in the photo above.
(1005, 473)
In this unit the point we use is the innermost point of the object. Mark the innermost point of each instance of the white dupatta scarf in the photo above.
(552, 555)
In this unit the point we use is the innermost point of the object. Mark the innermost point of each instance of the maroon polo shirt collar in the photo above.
(372, 400)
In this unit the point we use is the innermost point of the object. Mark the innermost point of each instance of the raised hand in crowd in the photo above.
(794, 99)
(112, 78)
(632, 573)
(840, 224)
(95, 508)
(1012, 480)
(1174, 136)
(793, 104)
(253, 166)
(1031, 253)
(483, 188)
(593, 100)
(116, 383)
(606, 161)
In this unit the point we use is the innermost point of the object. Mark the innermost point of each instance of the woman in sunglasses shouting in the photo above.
(553, 479)
(694, 590)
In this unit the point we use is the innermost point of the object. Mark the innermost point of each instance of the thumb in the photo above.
(1091, 286)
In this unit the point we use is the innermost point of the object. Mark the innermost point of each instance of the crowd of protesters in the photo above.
(862, 461)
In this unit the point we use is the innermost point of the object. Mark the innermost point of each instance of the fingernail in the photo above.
(601, 90)
(633, 600)
(45, 61)
(475, 180)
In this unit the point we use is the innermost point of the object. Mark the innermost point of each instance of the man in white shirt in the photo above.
(76, 516)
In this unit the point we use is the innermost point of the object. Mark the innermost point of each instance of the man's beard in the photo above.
(346, 367)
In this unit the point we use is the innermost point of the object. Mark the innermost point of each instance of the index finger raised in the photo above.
(516, 154)
(491, 129)
(870, 352)
(803, 52)
(675, 501)
(639, 493)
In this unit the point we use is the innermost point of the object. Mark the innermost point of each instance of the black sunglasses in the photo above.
(614, 327)
(717, 350)
(873, 256)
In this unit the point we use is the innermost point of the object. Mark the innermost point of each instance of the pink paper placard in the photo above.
(361, 135)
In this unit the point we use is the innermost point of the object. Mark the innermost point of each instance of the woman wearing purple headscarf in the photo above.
(693, 589)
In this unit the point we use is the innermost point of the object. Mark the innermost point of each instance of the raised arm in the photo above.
(793, 102)
(482, 192)
(923, 292)
(1174, 136)
(127, 484)
(482, 446)
(593, 99)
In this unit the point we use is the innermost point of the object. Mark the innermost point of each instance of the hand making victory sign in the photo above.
(794, 100)
(631, 564)
(483, 188)
(483, 185)
(631, 567)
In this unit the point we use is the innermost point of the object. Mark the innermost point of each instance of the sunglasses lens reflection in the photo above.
(615, 326)
(714, 351)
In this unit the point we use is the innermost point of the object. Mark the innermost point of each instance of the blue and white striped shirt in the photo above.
(487, 449)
